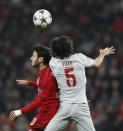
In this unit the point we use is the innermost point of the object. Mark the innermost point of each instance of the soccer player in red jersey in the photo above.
(47, 98)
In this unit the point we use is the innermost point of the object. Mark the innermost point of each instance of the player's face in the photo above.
(35, 59)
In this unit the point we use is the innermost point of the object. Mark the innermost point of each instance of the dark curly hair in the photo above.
(61, 47)
(44, 52)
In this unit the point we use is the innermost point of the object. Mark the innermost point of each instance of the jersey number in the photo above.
(71, 79)
(33, 121)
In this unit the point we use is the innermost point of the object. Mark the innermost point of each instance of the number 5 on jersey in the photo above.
(71, 79)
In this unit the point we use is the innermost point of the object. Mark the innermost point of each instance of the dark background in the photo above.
(92, 24)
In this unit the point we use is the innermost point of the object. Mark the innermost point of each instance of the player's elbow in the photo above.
(97, 65)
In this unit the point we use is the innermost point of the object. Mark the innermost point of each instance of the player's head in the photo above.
(40, 54)
(61, 47)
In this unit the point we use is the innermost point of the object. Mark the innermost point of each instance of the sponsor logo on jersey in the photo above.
(39, 90)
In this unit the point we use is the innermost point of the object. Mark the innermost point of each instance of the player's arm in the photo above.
(103, 52)
(32, 106)
(26, 83)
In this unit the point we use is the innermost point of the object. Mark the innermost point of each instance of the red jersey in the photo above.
(47, 91)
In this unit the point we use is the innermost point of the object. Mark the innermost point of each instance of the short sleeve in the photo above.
(86, 61)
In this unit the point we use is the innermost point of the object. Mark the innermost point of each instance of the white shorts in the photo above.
(79, 112)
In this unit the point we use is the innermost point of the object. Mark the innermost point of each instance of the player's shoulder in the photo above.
(49, 71)
(77, 55)
(53, 62)
(48, 68)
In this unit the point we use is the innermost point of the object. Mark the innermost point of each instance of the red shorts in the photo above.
(43, 117)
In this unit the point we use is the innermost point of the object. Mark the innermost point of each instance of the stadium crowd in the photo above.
(92, 24)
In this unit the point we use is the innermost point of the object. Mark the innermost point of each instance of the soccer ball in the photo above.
(42, 18)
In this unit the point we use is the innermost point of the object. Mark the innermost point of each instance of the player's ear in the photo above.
(40, 59)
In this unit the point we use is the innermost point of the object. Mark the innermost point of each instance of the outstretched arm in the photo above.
(26, 83)
(33, 105)
(103, 52)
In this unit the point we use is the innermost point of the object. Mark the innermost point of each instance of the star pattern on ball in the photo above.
(34, 18)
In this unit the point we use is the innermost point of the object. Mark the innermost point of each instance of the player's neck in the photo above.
(42, 66)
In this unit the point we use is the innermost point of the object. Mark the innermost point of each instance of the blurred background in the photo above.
(92, 24)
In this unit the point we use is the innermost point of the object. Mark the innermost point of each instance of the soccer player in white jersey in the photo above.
(69, 69)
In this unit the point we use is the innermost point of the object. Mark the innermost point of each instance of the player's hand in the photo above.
(107, 51)
(22, 82)
(14, 114)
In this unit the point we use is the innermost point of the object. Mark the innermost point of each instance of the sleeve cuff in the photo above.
(18, 112)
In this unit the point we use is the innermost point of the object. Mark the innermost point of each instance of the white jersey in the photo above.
(71, 78)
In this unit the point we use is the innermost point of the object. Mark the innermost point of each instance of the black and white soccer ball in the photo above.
(42, 18)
